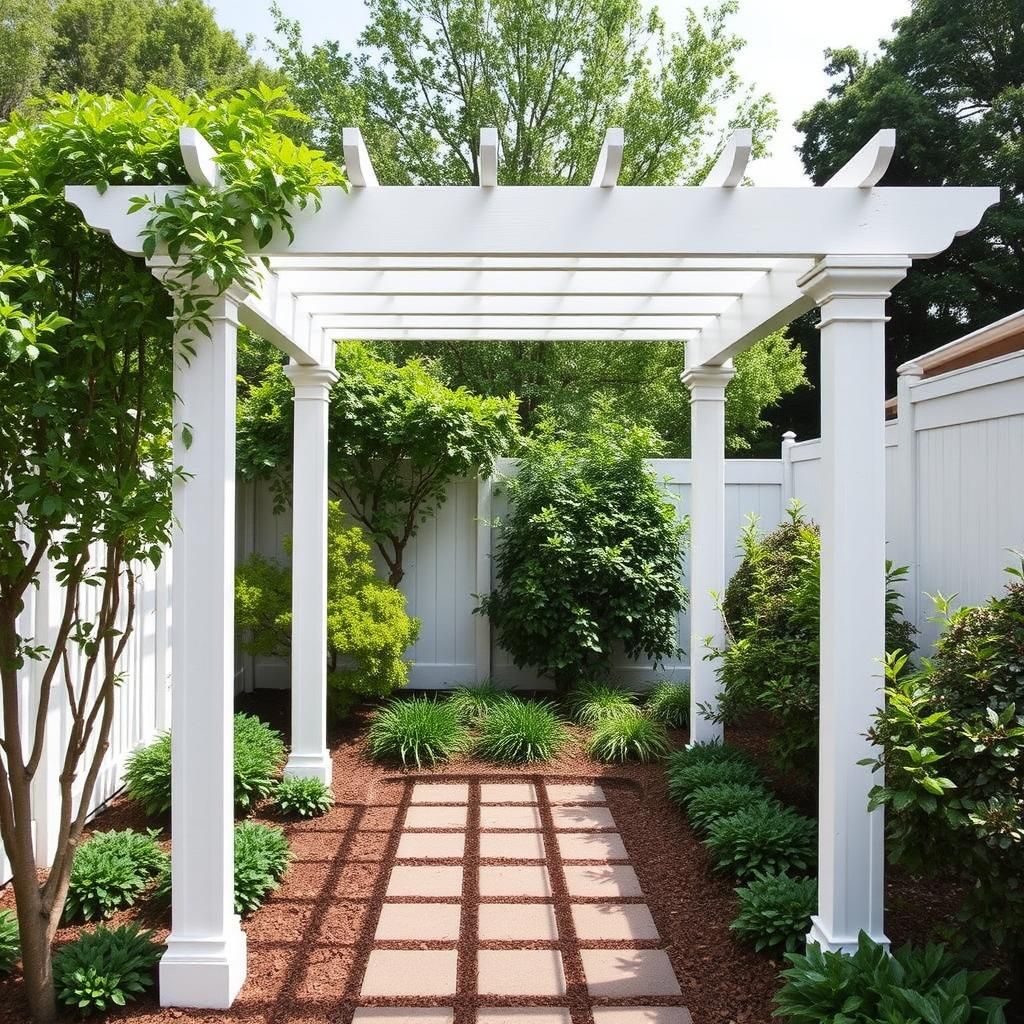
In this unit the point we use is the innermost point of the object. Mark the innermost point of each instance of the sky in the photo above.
(786, 40)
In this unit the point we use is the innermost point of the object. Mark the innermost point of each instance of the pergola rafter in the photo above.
(717, 266)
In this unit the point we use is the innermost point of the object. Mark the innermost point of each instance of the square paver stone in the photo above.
(520, 972)
(514, 880)
(525, 816)
(440, 793)
(574, 793)
(640, 1015)
(413, 880)
(431, 845)
(507, 793)
(533, 1014)
(582, 819)
(614, 921)
(435, 817)
(591, 846)
(411, 922)
(512, 845)
(410, 972)
(629, 972)
(515, 922)
(612, 880)
(420, 1014)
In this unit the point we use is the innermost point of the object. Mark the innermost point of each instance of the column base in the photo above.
(309, 766)
(819, 935)
(203, 973)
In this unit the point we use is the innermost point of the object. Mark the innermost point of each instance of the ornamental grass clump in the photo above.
(472, 704)
(708, 804)
(419, 731)
(763, 838)
(110, 871)
(873, 987)
(775, 911)
(669, 704)
(105, 968)
(630, 736)
(685, 776)
(9, 948)
(303, 798)
(517, 731)
(590, 703)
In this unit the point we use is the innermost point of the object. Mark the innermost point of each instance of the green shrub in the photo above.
(629, 737)
(303, 798)
(952, 741)
(763, 837)
(589, 555)
(708, 804)
(110, 871)
(591, 702)
(685, 776)
(420, 731)
(471, 704)
(105, 968)
(259, 755)
(701, 753)
(368, 630)
(775, 911)
(519, 731)
(871, 987)
(261, 859)
(669, 704)
(9, 945)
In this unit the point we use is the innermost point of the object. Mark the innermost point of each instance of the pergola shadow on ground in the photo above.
(718, 266)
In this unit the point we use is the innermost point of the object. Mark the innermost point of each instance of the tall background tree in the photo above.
(552, 76)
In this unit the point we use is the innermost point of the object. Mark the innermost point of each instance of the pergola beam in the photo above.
(488, 164)
(692, 307)
(728, 169)
(609, 161)
(358, 165)
(865, 168)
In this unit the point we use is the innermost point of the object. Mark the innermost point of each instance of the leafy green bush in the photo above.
(708, 804)
(368, 630)
(771, 610)
(518, 731)
(259, 755)
(703, 753)
(471, 704)
(303, 798)
(105, 968)
(952, 742)
(631, 736)
(589, 555)
(110, 871)
(593, 702)
(669, 703)
(261, 859)
(763, 837)
(420, 731)
(775, 911)
(9, 945)
(871, 987)
(685, 776)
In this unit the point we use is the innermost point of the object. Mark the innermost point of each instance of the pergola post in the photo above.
(707, 539)
(205, 964)
(309, 757)
(851, 292)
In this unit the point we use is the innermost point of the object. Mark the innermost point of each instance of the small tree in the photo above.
(398, 437)
(368, 630)
(589, 555)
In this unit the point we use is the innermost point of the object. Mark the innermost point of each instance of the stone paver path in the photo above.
(502, 893)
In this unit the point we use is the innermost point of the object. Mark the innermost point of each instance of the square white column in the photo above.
(205, 961)
(707, 540)
(309, 757)
(851, 294)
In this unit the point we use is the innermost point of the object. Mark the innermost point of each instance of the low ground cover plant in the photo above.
(105, 968)
(262, 855)
(669, 704)
(590, 703)
(708, 804)
(259, 755)
(871, 987)
(687, 774)
(775, 911)
(110, 871)
(417, 731)
(471, 704)
(519, 731)
(303, 798)
(763, 837)
(628, 736)
(9, 948)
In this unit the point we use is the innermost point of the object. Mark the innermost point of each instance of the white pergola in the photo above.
(718, 266)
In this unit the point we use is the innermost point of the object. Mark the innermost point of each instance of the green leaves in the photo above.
(418, 731)
(9, 944)
(303, 798)
(763, 837)
(628, 735)
(262, 856)
(516, 731)
(775, 911)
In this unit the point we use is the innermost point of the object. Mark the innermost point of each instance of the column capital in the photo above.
(707, 383)
(311, 382)
(854, 278)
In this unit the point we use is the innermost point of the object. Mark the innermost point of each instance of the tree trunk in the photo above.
(37, 964)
